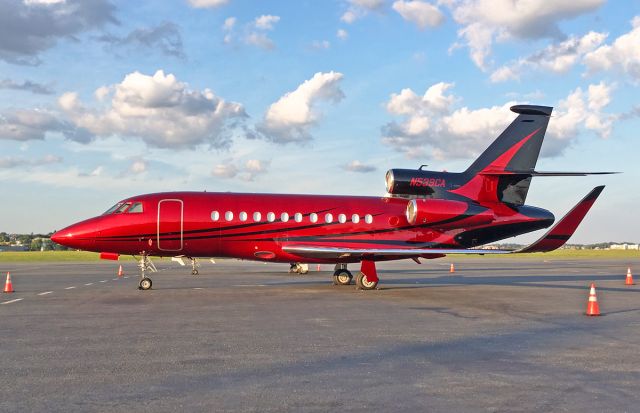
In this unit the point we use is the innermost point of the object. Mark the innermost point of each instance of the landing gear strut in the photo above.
(145, 264)
(194, 266)
(341, 275)
(368, 277)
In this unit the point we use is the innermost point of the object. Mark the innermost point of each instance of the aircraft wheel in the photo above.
(145, 284)
(342, 277)
(364, 284)
(194, 272)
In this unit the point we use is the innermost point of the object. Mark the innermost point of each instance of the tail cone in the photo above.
(592, 305)
(8, 287)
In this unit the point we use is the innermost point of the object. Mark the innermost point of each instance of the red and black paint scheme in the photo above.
(426, 215)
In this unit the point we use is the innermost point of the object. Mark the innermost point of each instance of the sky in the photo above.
(103, 99)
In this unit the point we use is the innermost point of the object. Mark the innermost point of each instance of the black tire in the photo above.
(342, 277)
(145, 284)
(364, 284)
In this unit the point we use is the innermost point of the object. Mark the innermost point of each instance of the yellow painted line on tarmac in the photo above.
(13, 301)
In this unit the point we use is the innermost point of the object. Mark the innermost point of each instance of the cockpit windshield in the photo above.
(136, 208)
(113, 208)
(128, 207)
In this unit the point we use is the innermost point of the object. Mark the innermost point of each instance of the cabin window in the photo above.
(368, 219)
(355, 218)
(135, 208)
(243, 216)
(284, 217)
(257, 217)
(228, 215)
(328, 218)
(271, 217)
(342, 218)
(122, 208)
(298, 217)
(215, 215)
(313, 217)
(113, 208)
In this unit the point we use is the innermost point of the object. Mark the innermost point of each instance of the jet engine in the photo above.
(415, 182)
(442, 212)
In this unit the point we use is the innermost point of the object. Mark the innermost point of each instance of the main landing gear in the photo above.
(341, 275)
(367, 278)
(145, 264)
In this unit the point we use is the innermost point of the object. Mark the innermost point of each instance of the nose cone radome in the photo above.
(79, 236)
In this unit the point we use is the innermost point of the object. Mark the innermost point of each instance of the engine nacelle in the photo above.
(445, 213)
(415, 181)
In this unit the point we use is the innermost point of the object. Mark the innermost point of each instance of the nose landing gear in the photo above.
(145, 264)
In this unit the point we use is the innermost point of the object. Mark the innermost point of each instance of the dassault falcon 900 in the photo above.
(426, 214)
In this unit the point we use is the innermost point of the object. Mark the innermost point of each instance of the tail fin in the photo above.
(516, 149)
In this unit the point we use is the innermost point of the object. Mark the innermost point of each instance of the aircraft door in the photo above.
(170, 225)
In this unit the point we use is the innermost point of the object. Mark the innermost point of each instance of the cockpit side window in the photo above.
(113, 208)
(136, 208)
(122, 208)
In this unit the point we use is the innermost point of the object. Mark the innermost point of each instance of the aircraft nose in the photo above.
(78, 236)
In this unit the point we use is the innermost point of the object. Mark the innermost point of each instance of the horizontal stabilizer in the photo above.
(543, 173)
(560, 233)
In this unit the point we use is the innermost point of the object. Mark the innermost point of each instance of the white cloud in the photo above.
(556, 58)
(138, 166)
(622, 55)
(357, 166)
(266, 21)
(342, 34)
(34, 124)
(291, 117)
(360, 8)
(203, 4)
(431, 126)
(320, 44)
(260, 39)
(252, 168)
(160, 110)
(485, 21)
(14, 162)
(229, 23)
(421, 13)
(255, 33)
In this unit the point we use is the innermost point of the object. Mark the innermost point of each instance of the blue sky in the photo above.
(101, 100)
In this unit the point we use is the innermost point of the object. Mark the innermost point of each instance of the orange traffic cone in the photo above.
(452, 268)
(318, 267)
(629, 279)
(120, 272)
(8, 287)
(592, 304)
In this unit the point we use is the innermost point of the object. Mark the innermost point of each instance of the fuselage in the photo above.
(257, 226)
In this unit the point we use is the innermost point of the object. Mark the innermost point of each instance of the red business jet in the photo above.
(426, 214)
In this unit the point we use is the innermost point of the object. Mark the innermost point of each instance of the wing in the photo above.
(553, 239)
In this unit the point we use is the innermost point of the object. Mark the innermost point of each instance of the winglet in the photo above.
(560, 233)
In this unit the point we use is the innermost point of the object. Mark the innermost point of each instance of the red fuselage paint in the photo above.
(257, 226)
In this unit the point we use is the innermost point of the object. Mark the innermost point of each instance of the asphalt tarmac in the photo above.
(497, 335)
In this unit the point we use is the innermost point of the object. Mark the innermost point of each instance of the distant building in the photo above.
(625, 246)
